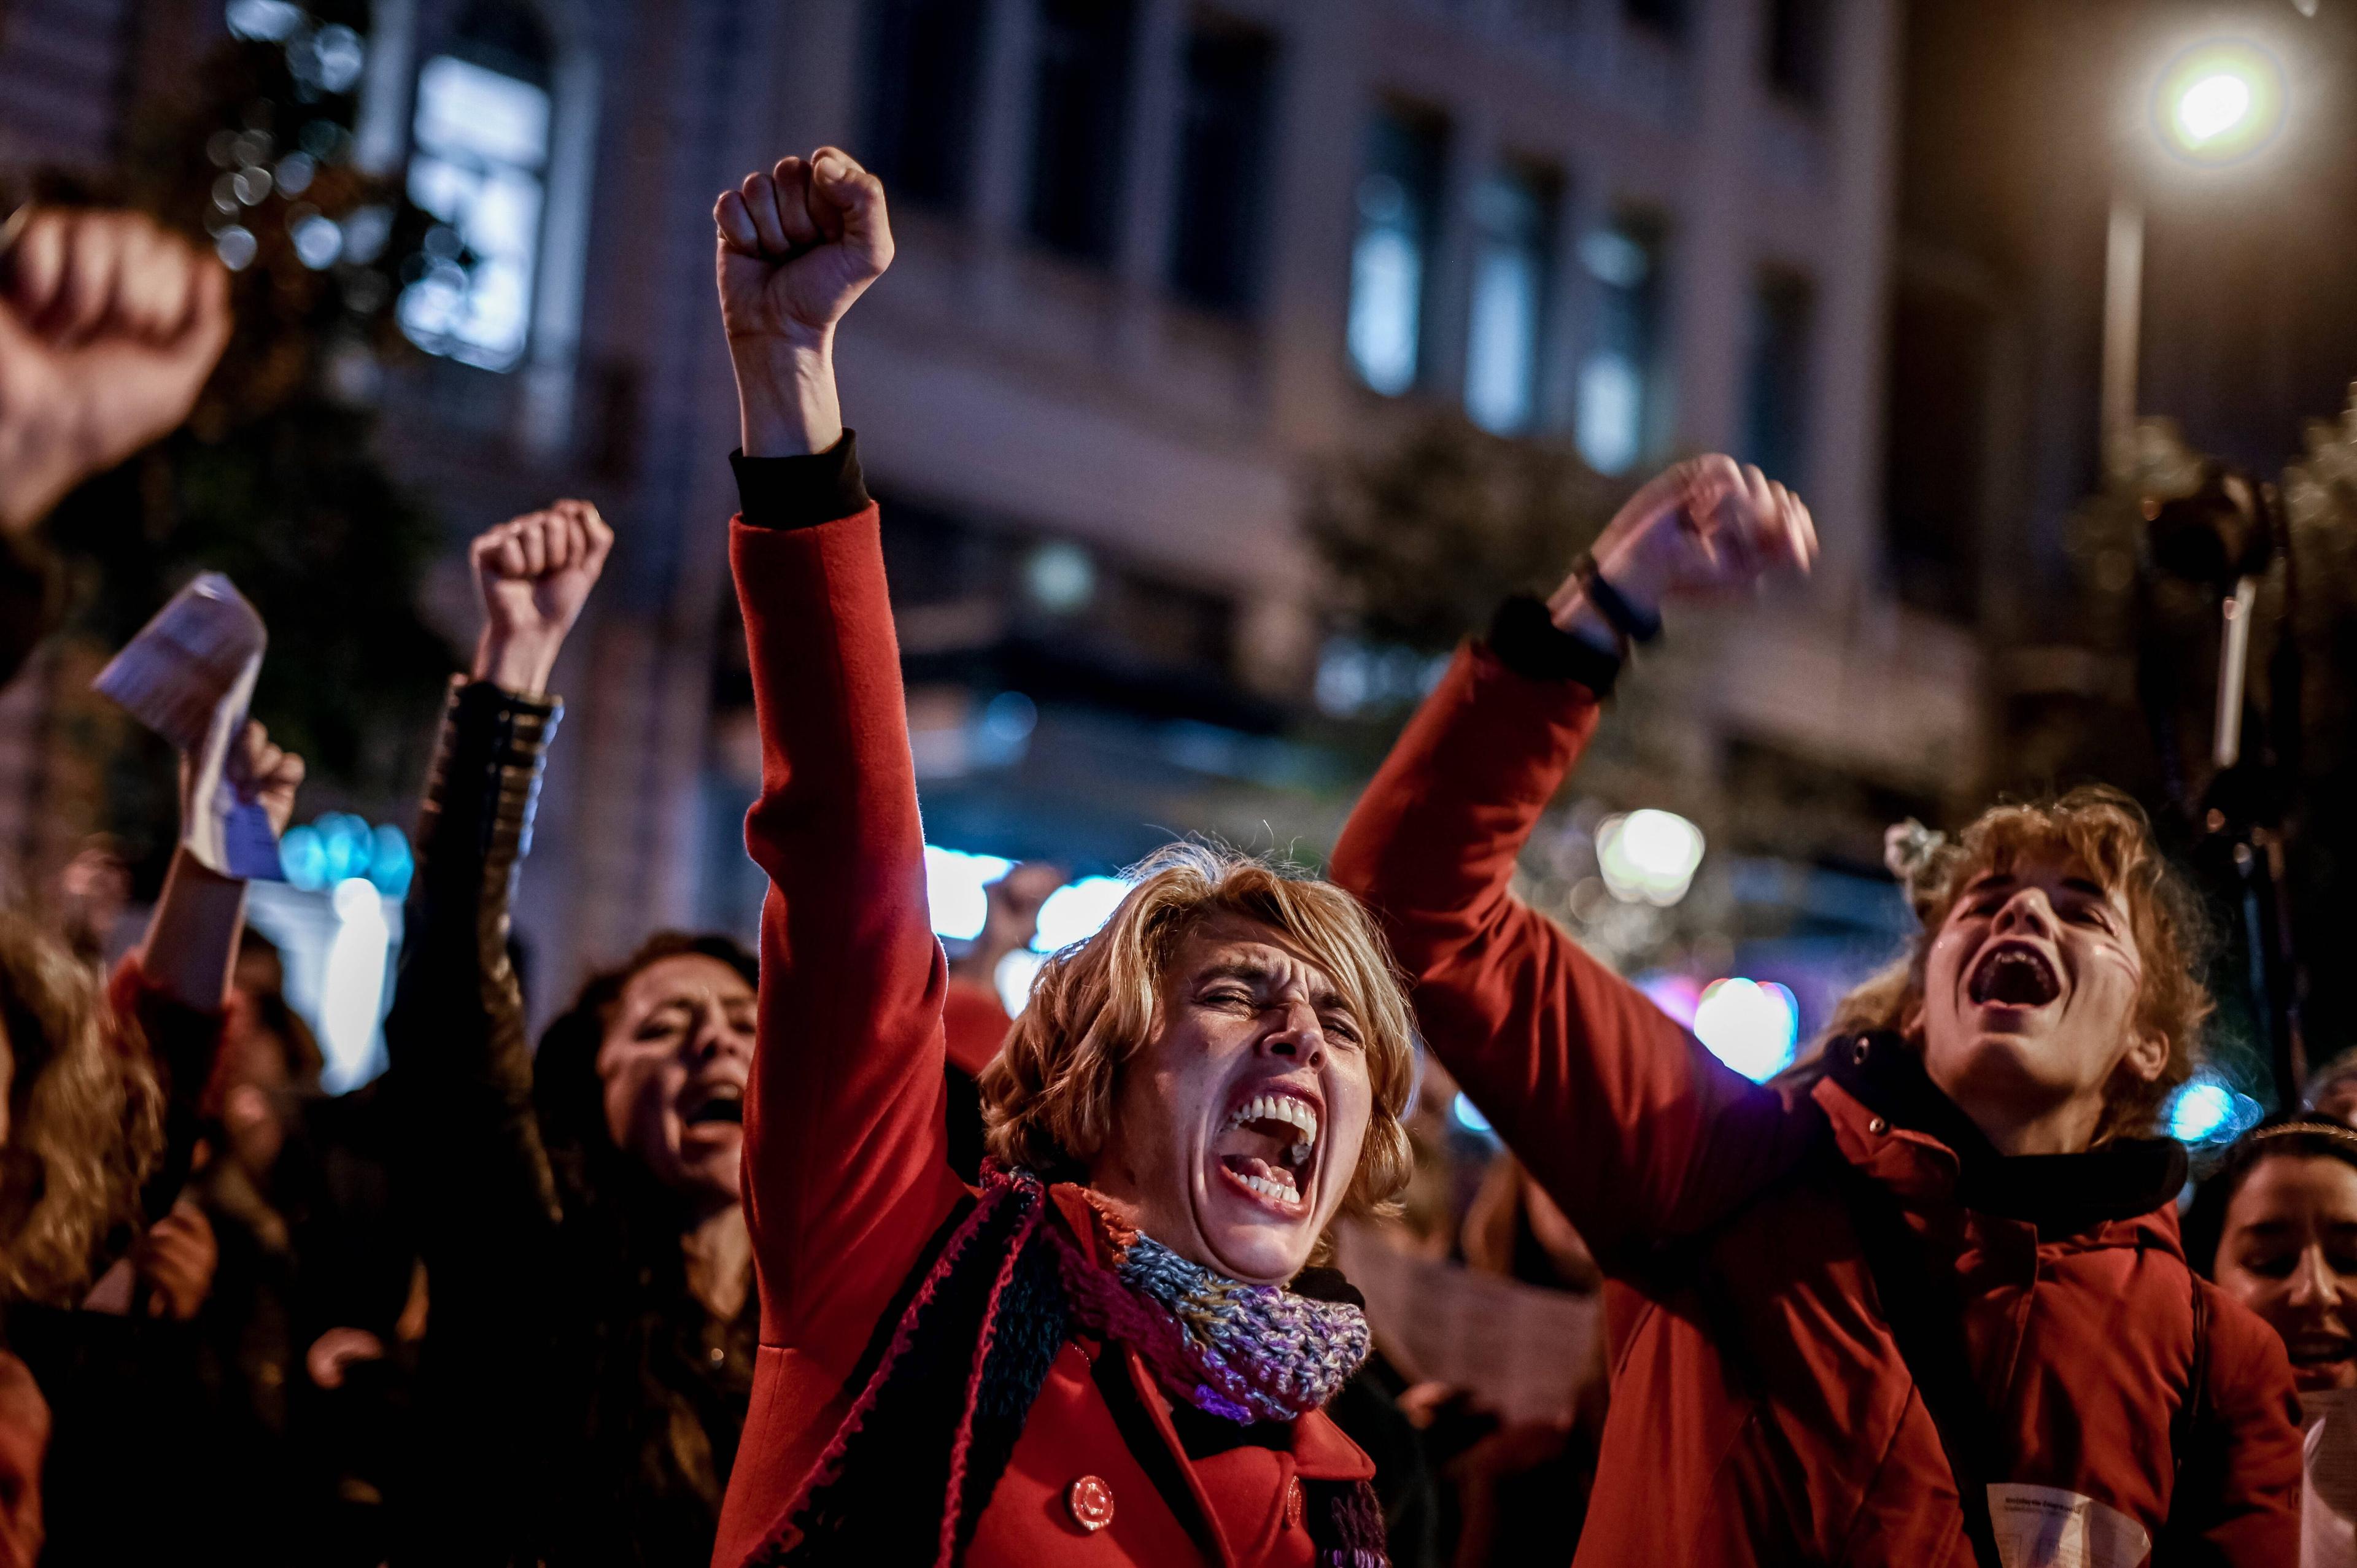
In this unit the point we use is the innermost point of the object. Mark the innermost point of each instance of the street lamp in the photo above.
(2219, 102)
(2215, 104)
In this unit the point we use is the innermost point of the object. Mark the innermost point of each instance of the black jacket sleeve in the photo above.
(474, 1173)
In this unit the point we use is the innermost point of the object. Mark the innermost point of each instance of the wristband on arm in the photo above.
(1526, 640)
(1629, 624)
(802, 491)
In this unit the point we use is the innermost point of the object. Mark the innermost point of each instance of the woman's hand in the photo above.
(1705, 525)
(109, 327)
(265, 774)
(533, 574)
(797, 246)
(176, 1260)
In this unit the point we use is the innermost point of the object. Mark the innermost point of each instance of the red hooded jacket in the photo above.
(1760, 1410)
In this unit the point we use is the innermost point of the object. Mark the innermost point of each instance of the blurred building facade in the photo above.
(1157, 260)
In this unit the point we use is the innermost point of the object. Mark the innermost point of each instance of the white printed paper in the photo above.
(1517, 1349)
(2327, 1512)
(189, 676)
(2047, 1527)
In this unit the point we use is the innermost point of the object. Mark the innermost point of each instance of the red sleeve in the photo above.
(846, 1170)
(2245, 1509)
(182, 1043)
(1631, 1126)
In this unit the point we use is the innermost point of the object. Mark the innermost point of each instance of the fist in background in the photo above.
(1705, 525)
(797, 247)
(533, 574)
(109, 327)
(265, 774)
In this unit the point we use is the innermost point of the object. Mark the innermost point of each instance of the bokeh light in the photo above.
(957, 887)
(1078, 910)
(340, 847)
(2205, 1110)
(1649, 856)
(352, 999)
(1014, 978)
(1753, 1028)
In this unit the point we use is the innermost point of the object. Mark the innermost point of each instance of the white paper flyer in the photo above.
(189, 676)
(2047, 1527)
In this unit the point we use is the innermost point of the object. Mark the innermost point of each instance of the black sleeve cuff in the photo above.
(1529, 643)
(801, 492)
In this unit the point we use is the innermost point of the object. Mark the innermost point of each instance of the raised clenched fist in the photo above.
(533, 574)
(109, 327)
(796, 247)
(1703, 525)
(265, 774)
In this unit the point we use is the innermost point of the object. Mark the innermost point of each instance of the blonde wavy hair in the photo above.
(2108, 833)
(1047, 1097)
(85, 1118)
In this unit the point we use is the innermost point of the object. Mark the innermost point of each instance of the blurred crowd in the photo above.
(508, 1303)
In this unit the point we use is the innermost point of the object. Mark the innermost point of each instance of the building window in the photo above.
(1078, 136)
(480, 156)
(1936, 469)
(1800, 45)
(1667, 17)
(1623, 383)
(1776, 418)
(924, 79)
(1399, 204)
(1216, 243)
(1513, 216)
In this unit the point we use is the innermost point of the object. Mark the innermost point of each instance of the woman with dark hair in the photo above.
(590, 1317)
(2276, 1225)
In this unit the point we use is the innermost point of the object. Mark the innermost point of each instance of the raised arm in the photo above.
(109, 327)
(177, 982)
(473, 1166)
(1635, 1130)
(846, 1169)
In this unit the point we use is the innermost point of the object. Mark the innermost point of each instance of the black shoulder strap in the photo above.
(1927, 1321)
(1919, 1303)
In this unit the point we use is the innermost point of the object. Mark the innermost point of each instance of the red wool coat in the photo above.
(846, 1169)
(1761, 1411)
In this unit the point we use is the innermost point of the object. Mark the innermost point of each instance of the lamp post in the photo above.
(2215, 104)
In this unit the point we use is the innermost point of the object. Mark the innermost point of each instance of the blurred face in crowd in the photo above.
(249, 1087)
(2029, 996)
(1236, 1129)
(673, 1063)
(2288, 1252)
(2337, 1098)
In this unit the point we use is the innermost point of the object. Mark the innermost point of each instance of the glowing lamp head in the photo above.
(2219, 102)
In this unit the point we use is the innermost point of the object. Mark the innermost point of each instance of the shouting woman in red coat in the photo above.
(1923, 1302)
(1114, 1350)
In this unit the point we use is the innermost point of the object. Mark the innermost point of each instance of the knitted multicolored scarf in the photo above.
(939, 1417)
(1245, 1352)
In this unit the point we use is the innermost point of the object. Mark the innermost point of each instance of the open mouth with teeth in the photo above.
(2319, 1359)
(2014, 975)
(722, 1102)
(1268, 1147)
